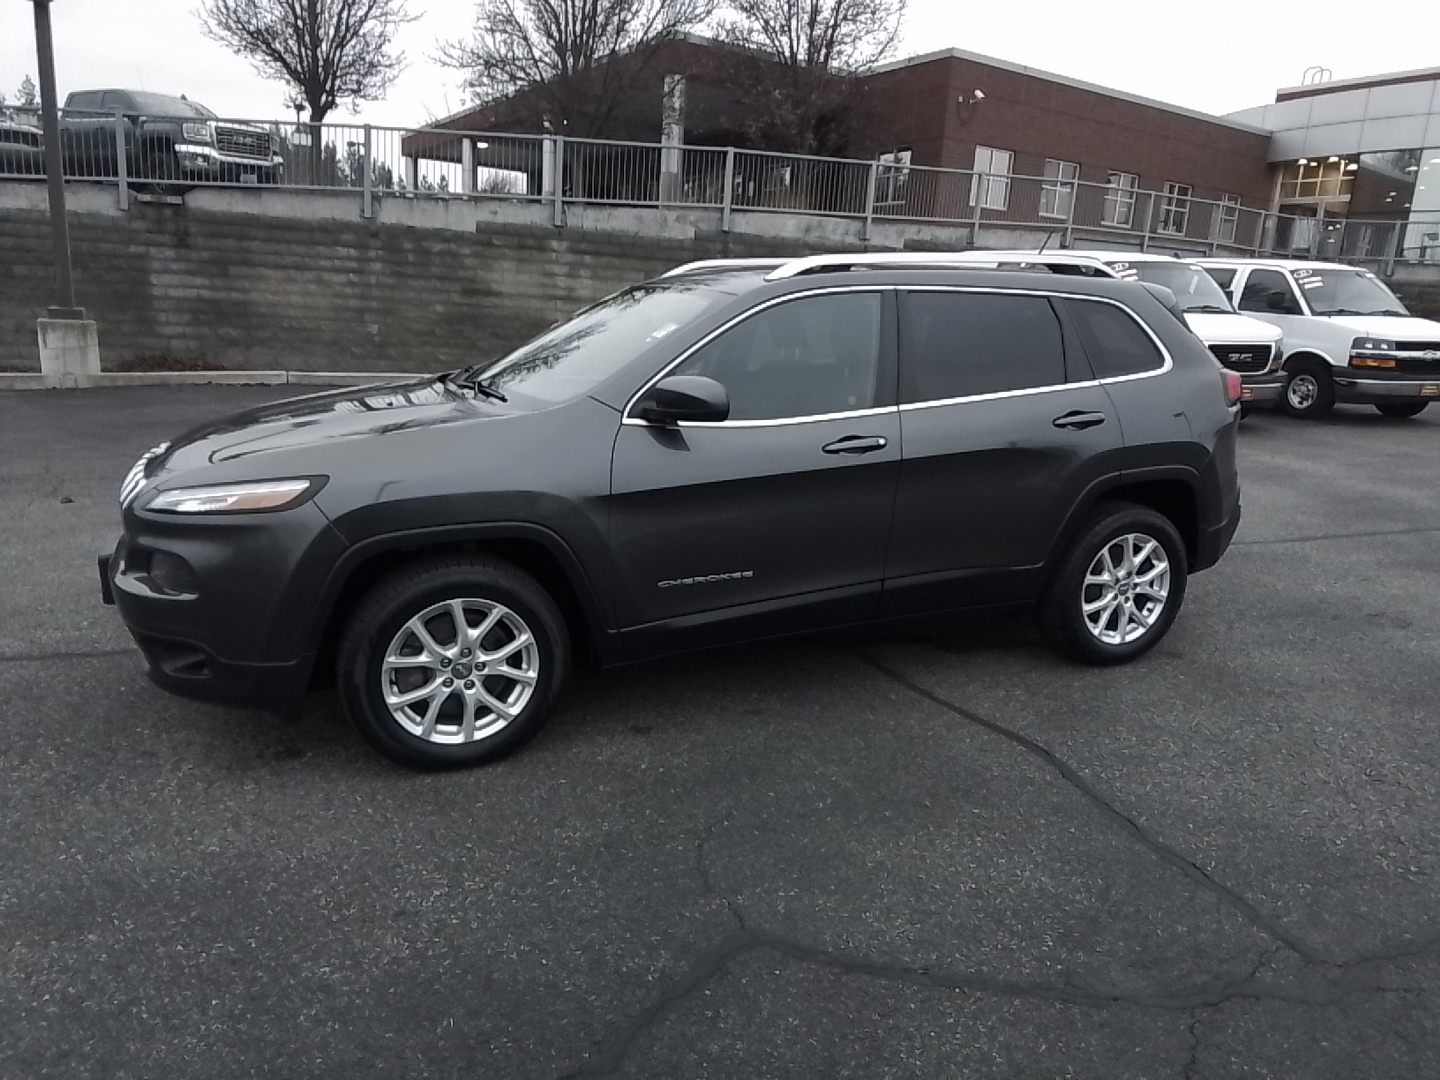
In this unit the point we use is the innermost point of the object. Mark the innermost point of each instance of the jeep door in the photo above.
(776, 519)
(1002, 432)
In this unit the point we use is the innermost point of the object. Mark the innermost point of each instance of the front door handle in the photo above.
(1079, 420)
(856, 444)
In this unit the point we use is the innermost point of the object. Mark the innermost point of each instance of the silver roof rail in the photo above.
(860, 260)
(724, 264)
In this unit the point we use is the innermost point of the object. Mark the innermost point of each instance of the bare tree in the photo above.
(799, 58)
(570, 63)
(325, 51)
(27, 96)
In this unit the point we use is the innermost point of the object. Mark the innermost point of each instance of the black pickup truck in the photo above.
(171, 143)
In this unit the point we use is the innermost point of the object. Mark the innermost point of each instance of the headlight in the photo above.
(195, 132)
(1367, 352)
(252, 497)
(136, 479)
(1370, 344)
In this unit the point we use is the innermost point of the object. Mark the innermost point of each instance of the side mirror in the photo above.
(685, 397)
(1277, 302)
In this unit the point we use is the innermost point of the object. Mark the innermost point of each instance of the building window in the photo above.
(1306, 179)
(1057, 194)
(990, 186)
(1175, 208)
(1229, 219)
(892, 177)
(1120, 199)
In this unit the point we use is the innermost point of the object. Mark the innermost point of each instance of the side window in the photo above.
(1113, 339)
(1268, 291)
(805, 357)
(83, 102)
(957, 344)
(1224, 276)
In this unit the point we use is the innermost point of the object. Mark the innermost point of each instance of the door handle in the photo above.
(1079, 420)
(856, 444)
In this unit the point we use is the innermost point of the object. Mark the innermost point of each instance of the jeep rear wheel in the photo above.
(1118, 587)
(1309, 393)
(453, 662)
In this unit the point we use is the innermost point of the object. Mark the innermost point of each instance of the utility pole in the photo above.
(64, 306)
(69, 343)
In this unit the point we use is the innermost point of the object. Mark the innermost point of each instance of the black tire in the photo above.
(1060, 612)
(1402, 411)
(1246, 410)
(1309, 393)
(159, 166)
(380, 622)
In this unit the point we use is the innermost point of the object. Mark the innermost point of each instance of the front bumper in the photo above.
(224, 609)
(1372, 391)
(199, 158)
(1265, 388)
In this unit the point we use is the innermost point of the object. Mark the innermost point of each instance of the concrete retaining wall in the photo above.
(256, 279)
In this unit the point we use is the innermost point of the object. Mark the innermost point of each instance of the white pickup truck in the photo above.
(1249, 347)
(1348, 338)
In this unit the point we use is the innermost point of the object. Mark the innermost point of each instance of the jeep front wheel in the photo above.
(453, 662)
(1402, 410)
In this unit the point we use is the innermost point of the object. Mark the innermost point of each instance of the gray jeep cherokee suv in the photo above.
(734, 451)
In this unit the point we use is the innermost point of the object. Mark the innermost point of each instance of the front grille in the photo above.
(1246, 359)
(1418, 366)
(238, 142)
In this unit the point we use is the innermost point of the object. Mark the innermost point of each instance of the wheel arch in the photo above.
(1172, 493)
(1307, 354)
(536, 550)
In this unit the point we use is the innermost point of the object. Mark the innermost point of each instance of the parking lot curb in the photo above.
(37, 381)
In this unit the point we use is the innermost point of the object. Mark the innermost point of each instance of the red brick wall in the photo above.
(1036, 118)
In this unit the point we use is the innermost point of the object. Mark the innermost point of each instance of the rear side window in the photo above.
(1269, 291)
(1113, 339)
(1224, 275)
(87, 100)
(955, 344)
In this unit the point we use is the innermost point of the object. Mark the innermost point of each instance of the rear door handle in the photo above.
(1079, 420)
(856, 444)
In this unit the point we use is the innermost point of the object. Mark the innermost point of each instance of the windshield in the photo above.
(164, 105)
(1194, 289)
(1347, 292)
(573, 358)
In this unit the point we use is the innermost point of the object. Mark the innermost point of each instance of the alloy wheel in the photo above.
(460, 671)
(1125, 589)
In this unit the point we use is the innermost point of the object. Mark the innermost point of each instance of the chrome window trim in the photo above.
(1167, 364)
(810, 418)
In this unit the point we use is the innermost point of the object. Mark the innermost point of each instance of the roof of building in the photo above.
(1363, 82)
(1066, 80)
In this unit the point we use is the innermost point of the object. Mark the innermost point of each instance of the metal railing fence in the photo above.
(155, 156)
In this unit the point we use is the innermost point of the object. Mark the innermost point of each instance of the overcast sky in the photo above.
(1212, 57)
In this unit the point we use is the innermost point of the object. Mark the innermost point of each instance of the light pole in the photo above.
(64, 306)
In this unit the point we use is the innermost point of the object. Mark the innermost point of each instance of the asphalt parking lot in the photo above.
(934, 852)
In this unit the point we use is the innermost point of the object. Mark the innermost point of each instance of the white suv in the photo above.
(1249, 347)
(1347, 337)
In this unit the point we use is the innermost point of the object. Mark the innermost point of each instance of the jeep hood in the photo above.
(324, 419)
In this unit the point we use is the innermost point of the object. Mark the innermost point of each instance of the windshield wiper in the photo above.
(1211, 308)
(469, 378)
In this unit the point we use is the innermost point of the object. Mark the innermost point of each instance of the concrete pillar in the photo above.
(69, 352)
(672, 137)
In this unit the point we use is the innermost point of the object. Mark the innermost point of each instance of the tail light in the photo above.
(1232, 387)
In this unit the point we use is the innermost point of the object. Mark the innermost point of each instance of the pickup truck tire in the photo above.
(1117, 588)
(1309, 393)
(431, 693)
(1403, 411)
(160, 166)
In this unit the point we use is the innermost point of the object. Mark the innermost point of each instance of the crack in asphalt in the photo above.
(1337, 982)
(1338, 536)
(1207, 995)
(99, 654)
(1125, 823)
